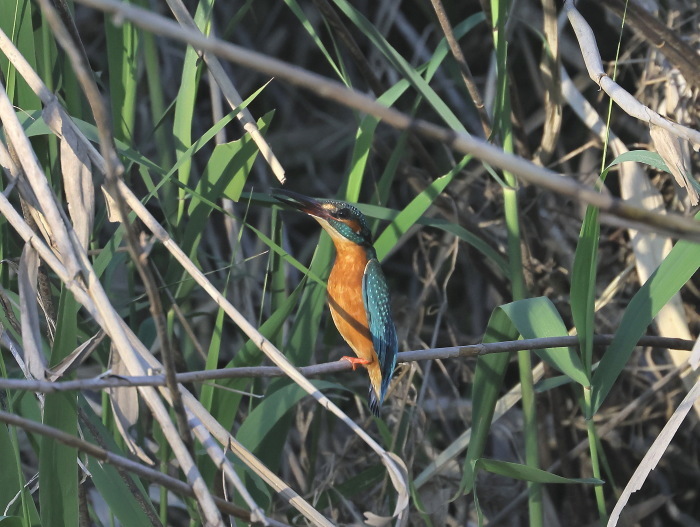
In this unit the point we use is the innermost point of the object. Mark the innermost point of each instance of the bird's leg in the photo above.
(355, 361)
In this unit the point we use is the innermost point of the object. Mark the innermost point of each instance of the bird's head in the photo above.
(342, 221)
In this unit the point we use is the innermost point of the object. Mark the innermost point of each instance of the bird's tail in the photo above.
(376, 388)
(374, 401)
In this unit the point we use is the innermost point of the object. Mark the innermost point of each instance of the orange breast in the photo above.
(345, 299)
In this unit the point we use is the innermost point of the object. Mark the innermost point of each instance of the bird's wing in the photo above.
(375, 293)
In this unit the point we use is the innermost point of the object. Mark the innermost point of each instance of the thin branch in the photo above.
(469, 351)
(461, 142)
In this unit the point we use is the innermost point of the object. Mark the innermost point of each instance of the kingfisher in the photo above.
(358, 295)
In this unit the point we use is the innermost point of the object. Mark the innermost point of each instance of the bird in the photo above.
(358, 294)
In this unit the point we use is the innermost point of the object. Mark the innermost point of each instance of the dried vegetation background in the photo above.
(205, 261)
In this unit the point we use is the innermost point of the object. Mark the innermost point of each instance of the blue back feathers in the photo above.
(375, 294)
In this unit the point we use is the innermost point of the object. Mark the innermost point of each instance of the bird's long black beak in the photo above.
(300, 202)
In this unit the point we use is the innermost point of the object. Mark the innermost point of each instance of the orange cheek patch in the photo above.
(355, 226)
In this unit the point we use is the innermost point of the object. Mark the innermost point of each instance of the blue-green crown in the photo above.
(339, 213)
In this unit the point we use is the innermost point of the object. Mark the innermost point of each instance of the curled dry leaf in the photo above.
(399, 476)
(125, 405)
(29, 312)
(76, 357)
(30, 204)
(112, 207)
(77, 174)
(675, 154)
(8, 342)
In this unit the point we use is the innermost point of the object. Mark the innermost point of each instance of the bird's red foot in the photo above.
(355, 361)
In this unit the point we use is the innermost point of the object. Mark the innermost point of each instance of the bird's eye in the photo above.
(342, 214)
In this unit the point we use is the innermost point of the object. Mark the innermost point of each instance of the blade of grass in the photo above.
(583, 286)
(275, 272)
(524, 473)
(488, 379)
(537, 317)
(584, 271)
(58, 463)
(124, 493)
(12, 480)
(583, 281)
(414, 210)
(223, 404)
(184, 108)
(527, 473)
(295, 8)
(681, 264)
(529, 318)
(16, 22)
(303, 335)
(122, 43)
(224, 175)
(157, 106)
(258, 432)
(500, 10)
